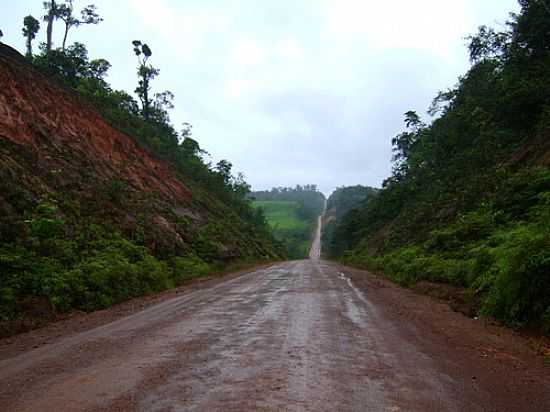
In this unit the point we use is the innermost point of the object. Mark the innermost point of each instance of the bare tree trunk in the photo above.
(146, 99)
(49, 29)
(29, 46)
(65, 36)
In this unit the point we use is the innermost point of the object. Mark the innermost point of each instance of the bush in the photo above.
(520, 278)
(98, 269)
(116, 270)
(189, 268)
(508, 265)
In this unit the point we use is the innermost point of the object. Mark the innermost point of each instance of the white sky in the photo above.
(290, 91)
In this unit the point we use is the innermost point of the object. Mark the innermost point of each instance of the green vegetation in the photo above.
(30, 28)
(85, 252)
(82, 266)
(468, 202)
(311, 201)
(292, 214)
(343, 206)
(282, 215)
(288, 226)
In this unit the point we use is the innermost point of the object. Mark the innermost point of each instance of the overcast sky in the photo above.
(290, 91)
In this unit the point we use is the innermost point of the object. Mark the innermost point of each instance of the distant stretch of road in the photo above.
(297, 336)
(315, 251)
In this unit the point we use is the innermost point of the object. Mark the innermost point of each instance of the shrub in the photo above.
(520, 289)
(185, 268)
(508, 265)
(96, 270)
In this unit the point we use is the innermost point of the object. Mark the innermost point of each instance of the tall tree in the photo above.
(51, 13)
(146, 73)
(65, 13)
(30, 28)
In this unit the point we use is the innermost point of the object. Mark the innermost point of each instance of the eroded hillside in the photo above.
(69, 180)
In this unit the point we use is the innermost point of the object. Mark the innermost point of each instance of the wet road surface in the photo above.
(296, 336)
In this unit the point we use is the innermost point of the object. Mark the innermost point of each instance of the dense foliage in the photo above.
(468, 201)
(343, 206)
(292, 214)
(288, 225)
(85, 266)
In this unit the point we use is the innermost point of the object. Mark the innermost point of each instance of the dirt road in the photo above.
(315, 251)
(300, 336)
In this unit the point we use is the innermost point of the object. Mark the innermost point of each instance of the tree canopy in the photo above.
(30, 29)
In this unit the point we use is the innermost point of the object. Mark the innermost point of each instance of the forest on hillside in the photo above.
(292, 213)
(468, 201)
(311, 201)
(343, 206)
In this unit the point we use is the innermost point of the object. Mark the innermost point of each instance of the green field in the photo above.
(288, 227)
(282, 215)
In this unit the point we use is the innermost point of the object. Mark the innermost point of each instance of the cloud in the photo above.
(422, 25)
(289, 49)
(248, 52)
(308, 91)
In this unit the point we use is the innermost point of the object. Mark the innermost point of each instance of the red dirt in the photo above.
(510, 366)
(37, 113)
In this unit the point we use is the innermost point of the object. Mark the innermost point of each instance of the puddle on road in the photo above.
(359, 293)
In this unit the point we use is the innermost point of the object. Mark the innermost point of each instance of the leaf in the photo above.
(146, 50)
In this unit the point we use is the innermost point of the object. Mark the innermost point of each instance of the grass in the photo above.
(288, 227)
(282, 215)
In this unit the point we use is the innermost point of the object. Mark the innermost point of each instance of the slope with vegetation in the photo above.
(100, 198)
(468, 202)
(292, 214)
(340, 219)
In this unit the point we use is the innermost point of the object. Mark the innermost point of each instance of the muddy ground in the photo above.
(301, 336)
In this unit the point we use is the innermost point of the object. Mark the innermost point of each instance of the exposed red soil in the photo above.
(37, 113)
